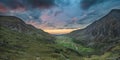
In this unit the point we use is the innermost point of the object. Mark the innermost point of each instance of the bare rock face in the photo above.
(103, 33)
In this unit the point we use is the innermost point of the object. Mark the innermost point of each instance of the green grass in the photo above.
(106, 56)
(23, 46)
(68, 43)
(87, 53)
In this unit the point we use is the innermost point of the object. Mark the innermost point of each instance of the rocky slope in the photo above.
(102, 34)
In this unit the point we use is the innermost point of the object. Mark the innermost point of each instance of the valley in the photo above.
(98, 41)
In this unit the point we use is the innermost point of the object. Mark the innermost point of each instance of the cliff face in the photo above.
(103, 33)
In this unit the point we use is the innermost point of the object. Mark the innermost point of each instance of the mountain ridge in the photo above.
(15, 23)
(103, 33)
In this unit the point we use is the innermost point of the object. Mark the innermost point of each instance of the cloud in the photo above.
(3, 9)
(85, 4)
(13, 4)
(58, 13)
(98, 10)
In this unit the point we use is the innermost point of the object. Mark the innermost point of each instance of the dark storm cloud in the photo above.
(25, 9)
(13, 4)
(85, 4)
(41, 3)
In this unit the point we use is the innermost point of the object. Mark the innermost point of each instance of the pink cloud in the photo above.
(3, 9)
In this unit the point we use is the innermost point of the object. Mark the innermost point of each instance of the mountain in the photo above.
(16, 24)
(103, 34)
(20, 41)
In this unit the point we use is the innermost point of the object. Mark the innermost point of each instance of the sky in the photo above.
(58, 14)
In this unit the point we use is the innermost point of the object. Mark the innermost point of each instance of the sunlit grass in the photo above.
(68, 43)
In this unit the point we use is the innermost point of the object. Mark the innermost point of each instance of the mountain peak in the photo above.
(115, 10)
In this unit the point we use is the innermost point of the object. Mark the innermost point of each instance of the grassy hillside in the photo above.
(88, 53)
(68, 43)
(20, 41)
(21, 46)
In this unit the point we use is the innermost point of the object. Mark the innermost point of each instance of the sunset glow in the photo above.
(51, 30)
(59, 31)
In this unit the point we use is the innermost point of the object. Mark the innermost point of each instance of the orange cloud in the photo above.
(38, 25)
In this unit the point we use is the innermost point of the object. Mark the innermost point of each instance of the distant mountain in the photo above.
(102, 34)
(20, 41)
